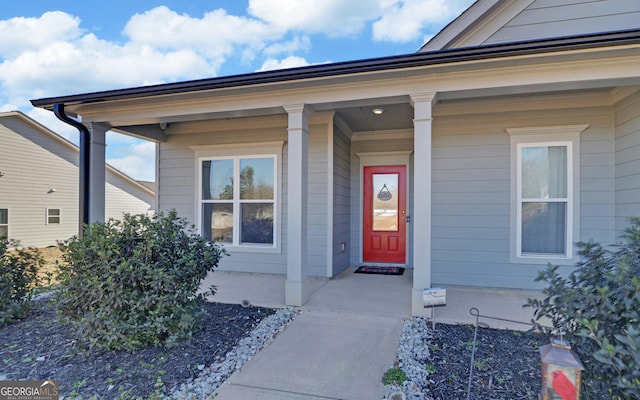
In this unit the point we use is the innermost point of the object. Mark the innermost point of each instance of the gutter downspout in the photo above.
(84, 164)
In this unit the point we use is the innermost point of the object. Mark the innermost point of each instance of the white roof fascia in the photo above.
(476, 24)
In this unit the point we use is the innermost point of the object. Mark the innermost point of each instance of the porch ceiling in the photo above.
(363, 119)
(359, 116)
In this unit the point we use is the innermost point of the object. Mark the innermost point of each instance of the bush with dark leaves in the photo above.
(18, 278)
(129, 283)
(598, 305)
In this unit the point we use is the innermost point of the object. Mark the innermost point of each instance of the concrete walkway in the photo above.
(347, 334)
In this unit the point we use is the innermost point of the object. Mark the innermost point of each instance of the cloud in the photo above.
(53, 55)
(8, 107)
(20, 34)
(119, 139)
(289, 62)
(406, 20)
(333, 18)
(90, 64)
(213, 37)
(138, 160)
(298, 43)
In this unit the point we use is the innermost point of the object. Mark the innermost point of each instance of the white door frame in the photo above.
(381, 159)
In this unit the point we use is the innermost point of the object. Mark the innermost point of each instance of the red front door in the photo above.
(385, 226)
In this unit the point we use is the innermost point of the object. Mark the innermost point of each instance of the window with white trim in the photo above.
(4, 222)
(238, 195)
(238, 199)
(545, 180)
(544, 193)
(52, 215)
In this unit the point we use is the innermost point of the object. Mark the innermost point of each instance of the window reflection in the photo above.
(385, 202)
(217, 180)
(256, 178)
(544, 227)
(238, 200)
(544, 172)
(257, 223)
(218, 221)
(544, 201)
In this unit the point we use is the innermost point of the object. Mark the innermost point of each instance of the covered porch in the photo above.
(381, 295)
(457, 116)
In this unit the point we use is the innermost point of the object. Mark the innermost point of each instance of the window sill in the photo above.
(544, 259)
(251, 249)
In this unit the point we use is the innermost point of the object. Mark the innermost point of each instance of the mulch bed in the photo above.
(507, 363)
(39, 347)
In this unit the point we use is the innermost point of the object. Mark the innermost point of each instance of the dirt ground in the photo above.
(51, 255)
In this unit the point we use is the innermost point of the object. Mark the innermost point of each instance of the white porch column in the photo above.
(421, 220)
(296, 292)
(97, 173)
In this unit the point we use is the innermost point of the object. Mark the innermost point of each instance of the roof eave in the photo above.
(484, 52)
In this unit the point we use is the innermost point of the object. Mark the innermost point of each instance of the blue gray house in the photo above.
(507, 138)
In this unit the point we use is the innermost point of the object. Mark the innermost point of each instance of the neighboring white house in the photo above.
(39, 184)
(513, 134)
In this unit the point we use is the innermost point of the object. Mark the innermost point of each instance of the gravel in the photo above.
(437, 362)
(506, 364)
(39, 347)
(213, 376)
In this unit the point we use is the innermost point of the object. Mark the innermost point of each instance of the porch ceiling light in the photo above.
(378, 111)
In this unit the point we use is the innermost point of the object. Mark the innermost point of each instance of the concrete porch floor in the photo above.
(381, 295)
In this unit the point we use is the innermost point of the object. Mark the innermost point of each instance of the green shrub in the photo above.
(599, 306)
(130, 283)
(18, 278)
(394, 376)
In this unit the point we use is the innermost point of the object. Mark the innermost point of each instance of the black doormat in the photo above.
(372, 269)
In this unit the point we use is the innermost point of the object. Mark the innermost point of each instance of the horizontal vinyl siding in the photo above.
(556, 18)
(30, 171)
(122, 197)
(34, 163)
(471, 192)
(470, 202)
(176, 177)
(341, 200)
(627, 161)
(355, 244)
(118, 202)
(596, 179)
(177, 187)
(317, 201)
(177, 190)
